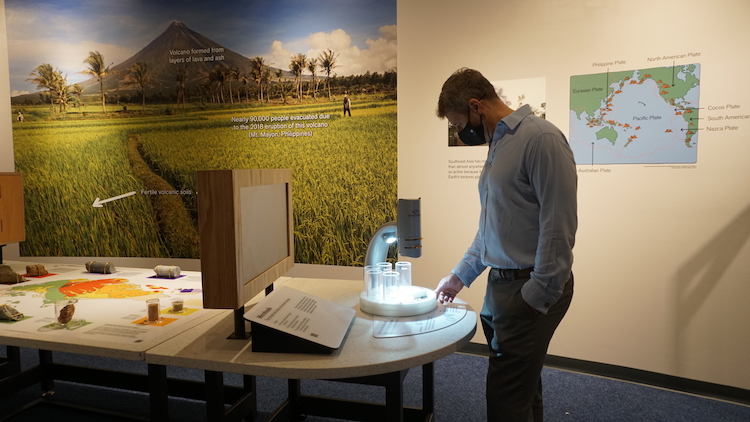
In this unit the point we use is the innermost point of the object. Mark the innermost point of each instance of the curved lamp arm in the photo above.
(377, 250)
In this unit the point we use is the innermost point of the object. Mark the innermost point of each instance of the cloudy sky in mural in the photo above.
(62, 33)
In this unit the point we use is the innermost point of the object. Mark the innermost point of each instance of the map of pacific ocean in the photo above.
(641, 116)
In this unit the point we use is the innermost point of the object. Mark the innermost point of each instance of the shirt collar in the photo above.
(514, 119)
(511, 122)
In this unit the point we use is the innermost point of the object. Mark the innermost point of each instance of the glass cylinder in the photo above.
(152, 309)
(384, 266)
(178, 305)
(374, 284)
(366, 279)
(404, 270)
(390, 281)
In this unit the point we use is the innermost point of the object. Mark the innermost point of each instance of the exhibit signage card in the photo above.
(304, 316)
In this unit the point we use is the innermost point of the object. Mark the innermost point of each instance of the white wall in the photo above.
(662, 268)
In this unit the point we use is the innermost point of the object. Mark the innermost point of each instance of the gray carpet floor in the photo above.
(459, 394)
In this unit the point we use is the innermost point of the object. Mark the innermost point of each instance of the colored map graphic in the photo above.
(642, 116)
(111, 288)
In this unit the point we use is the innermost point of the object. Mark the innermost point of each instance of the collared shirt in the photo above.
(529, 218)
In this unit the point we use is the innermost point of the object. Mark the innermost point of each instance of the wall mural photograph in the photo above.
(117, 104)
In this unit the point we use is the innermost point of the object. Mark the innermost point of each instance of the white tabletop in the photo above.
(93, 345)
(206, 346)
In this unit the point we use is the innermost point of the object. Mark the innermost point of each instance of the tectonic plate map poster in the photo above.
(640, 116)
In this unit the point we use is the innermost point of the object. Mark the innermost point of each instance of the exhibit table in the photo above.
(110, 311)
(362, 358)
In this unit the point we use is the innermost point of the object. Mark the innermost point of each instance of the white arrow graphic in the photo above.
(98, 203)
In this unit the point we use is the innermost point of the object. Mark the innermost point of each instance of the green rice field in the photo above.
(344, 176)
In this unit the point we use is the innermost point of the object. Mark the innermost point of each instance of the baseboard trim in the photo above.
(684, 385)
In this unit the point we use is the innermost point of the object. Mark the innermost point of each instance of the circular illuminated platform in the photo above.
(407, 301)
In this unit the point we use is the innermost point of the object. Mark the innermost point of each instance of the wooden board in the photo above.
(246, 231)
(12, 224)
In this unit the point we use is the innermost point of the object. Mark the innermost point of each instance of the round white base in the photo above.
(412, 300)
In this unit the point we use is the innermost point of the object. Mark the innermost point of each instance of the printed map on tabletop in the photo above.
(110, 288)
(109, 306)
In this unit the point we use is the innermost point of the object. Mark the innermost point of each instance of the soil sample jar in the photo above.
(178, 305)
(152, 308)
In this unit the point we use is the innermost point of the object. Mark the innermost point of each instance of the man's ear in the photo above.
(476, 105)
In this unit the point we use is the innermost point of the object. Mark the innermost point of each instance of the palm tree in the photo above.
(212, 77)
(258, 66)
(203, 89)
(265, 79)
(219, 75)
(44, 77)
(312, 66)
(232, 73)
(243, 80)
(280, 76)
(95, 61)
(61, 91)
(180, 76)
(328, 63)
(78, 92)
(297, 66)
(140, 75)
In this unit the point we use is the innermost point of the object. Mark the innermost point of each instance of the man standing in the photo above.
(526, 234)
(347, 105)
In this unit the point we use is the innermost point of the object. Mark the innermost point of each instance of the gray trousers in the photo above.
(518, 340)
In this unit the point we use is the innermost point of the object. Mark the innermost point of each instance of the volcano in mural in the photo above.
(114, 175)
(178, 59)
(177, 49)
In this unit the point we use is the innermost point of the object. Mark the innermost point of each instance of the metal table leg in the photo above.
(428, 389)
(48, 378)
(158, 392)
(394, 397)
(11, 363)
(214, 395)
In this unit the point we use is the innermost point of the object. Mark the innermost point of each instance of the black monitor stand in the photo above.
(239, 318)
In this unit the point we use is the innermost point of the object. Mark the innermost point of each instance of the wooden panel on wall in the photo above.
(232, 234)
(12, 225)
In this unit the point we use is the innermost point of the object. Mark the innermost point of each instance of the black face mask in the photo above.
(473, 135)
